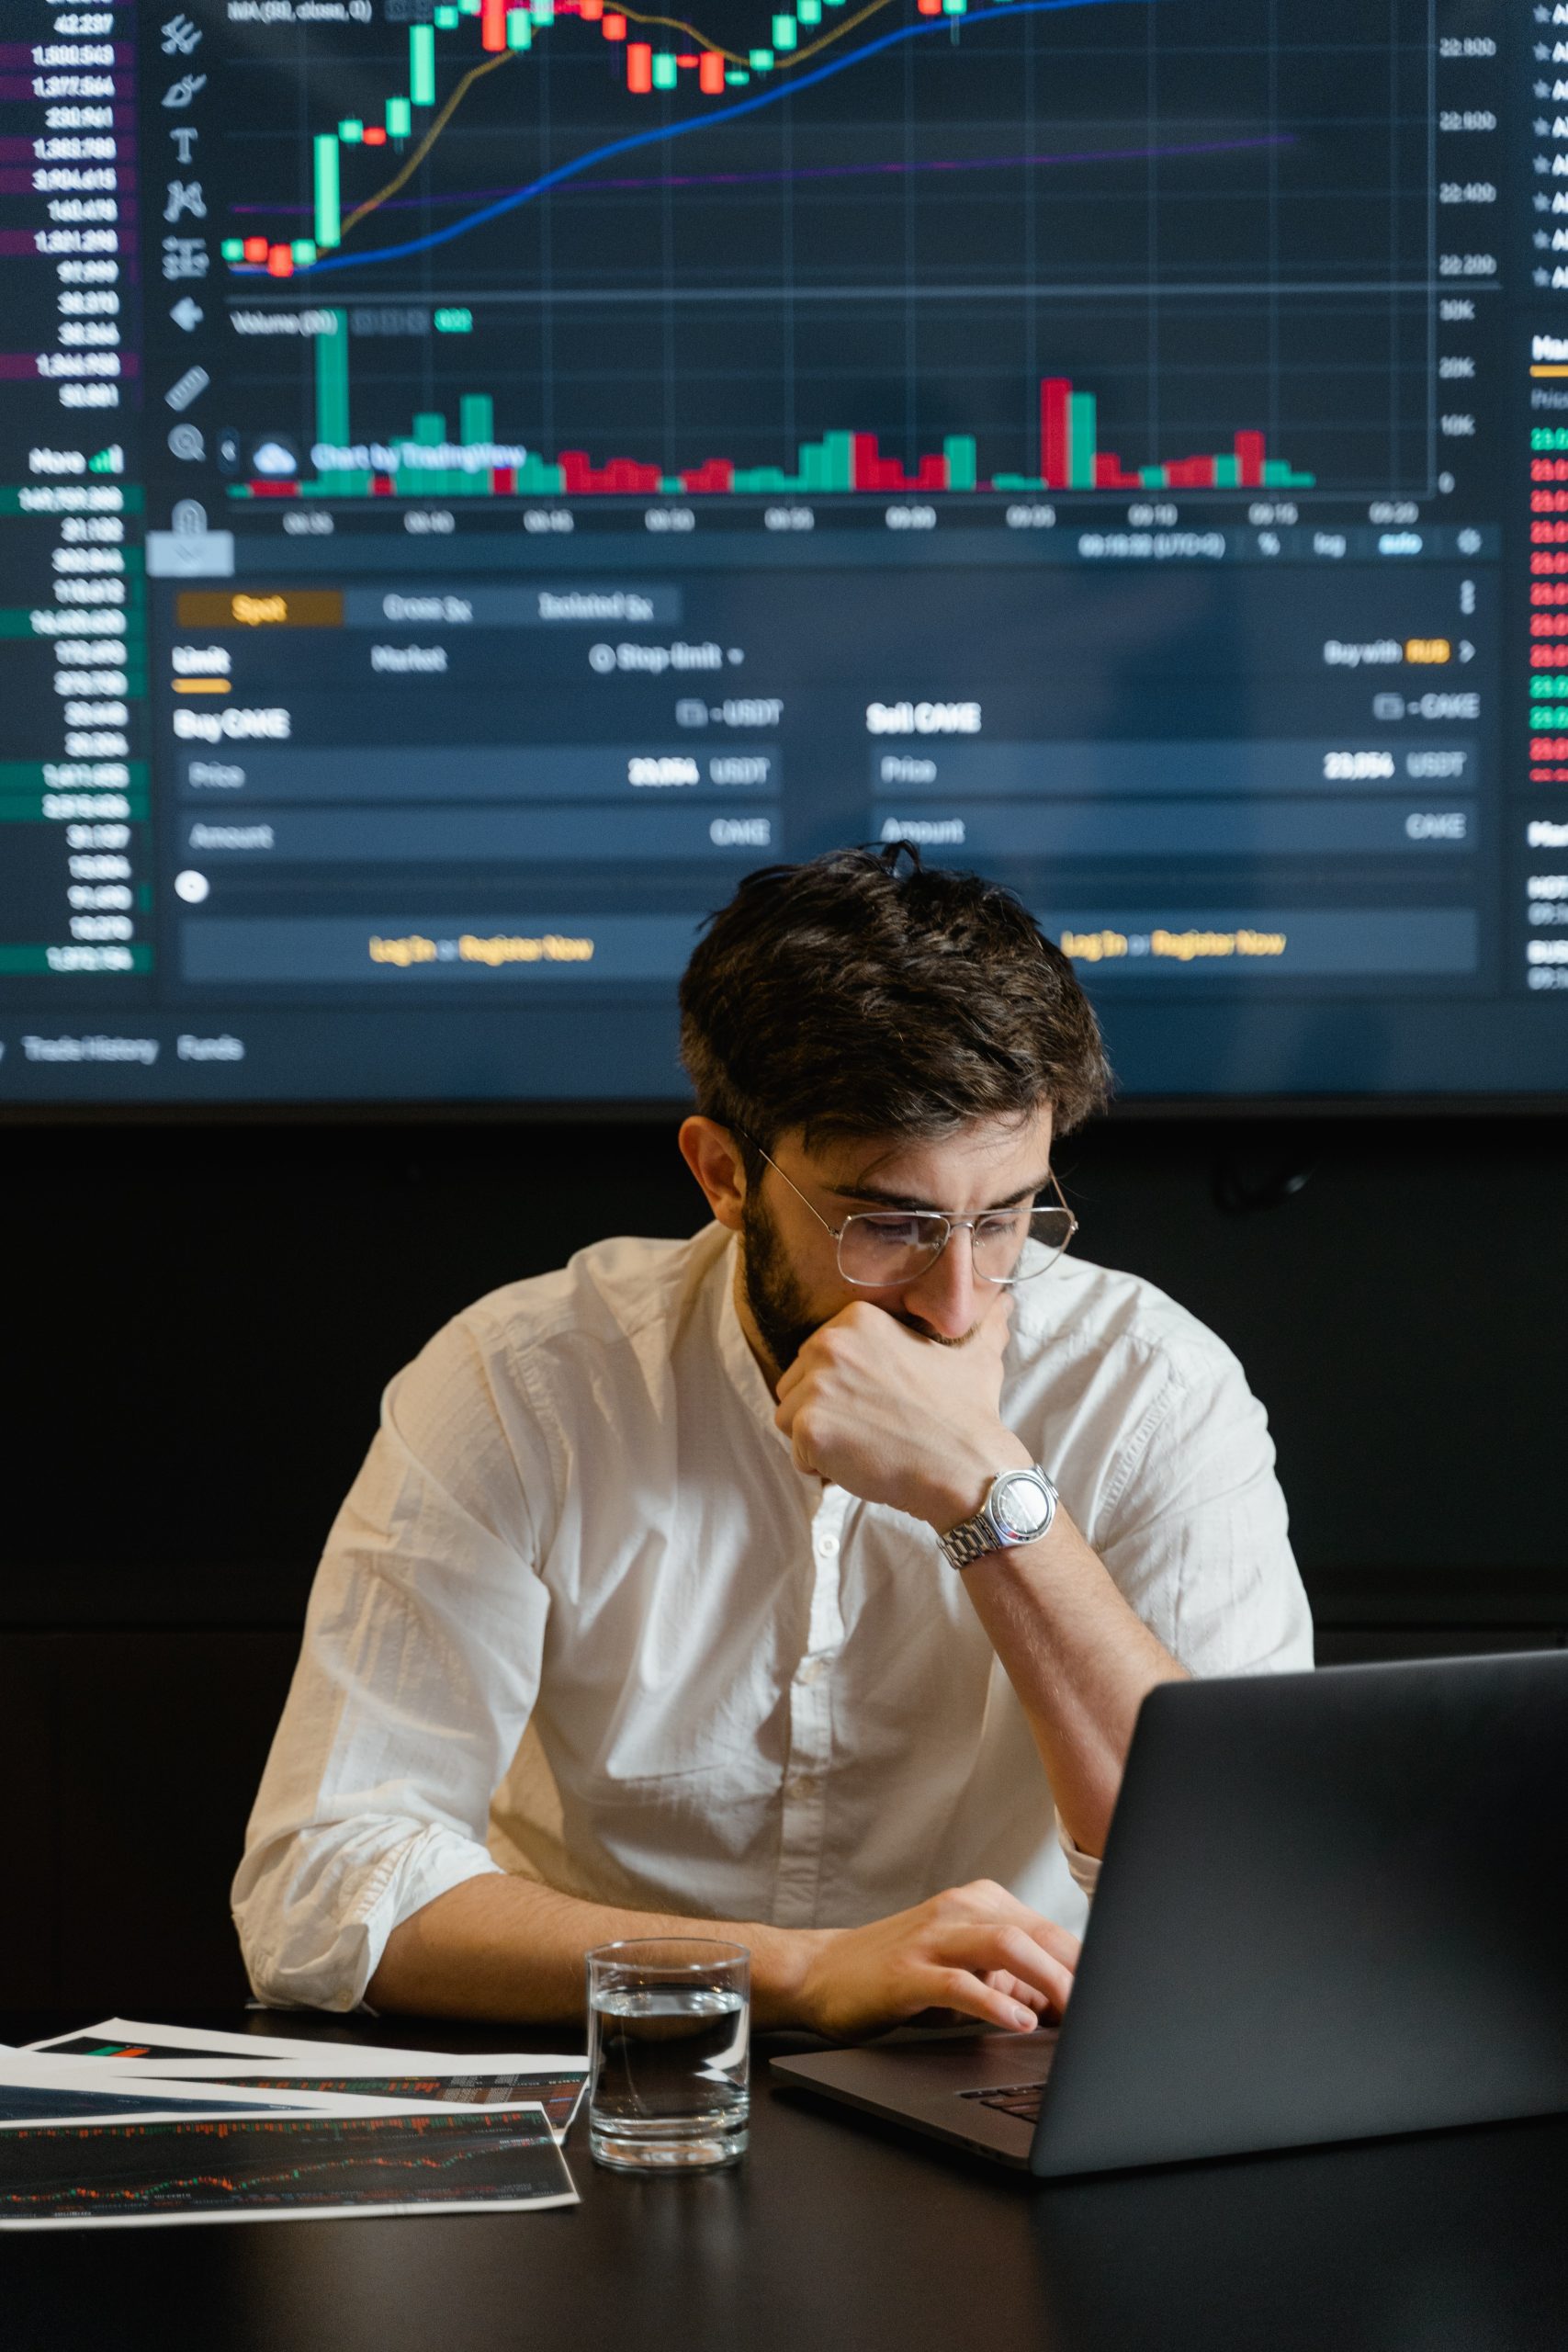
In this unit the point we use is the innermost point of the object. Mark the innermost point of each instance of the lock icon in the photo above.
(190, 548)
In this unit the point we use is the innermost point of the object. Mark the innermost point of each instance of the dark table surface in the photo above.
(836, 2234)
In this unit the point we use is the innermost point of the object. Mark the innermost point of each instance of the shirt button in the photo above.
(813, 1670)
(826, 1547)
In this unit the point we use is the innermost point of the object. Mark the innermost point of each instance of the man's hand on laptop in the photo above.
(975, 1949)
(898, 1418)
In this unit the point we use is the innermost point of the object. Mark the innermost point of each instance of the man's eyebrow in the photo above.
(883, 1199)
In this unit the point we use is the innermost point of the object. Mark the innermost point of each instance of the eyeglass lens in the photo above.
(893, 1248)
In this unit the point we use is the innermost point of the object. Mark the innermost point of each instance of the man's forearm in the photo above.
(502, 1947)
(1080, 1660)
(874, 1407)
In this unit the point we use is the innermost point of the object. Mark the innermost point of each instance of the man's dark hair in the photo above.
(865, 994)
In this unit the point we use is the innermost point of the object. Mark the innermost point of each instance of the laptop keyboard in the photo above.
(1022, 2099)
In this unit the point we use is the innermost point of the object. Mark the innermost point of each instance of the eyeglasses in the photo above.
(880, 1249)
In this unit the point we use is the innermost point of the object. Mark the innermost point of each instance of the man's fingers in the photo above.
(960, 1988)
(984, 1947)
(1060, 1942)
(996, 1320)
(1001, 1980)
(985, 1901)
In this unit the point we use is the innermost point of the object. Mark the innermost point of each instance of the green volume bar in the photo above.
(331, 409)
(536, 477)
(429, 432)
(332, 382)
(960, 452)
(329, 213)
(1081, 441)
(476, 422)
(422, 65)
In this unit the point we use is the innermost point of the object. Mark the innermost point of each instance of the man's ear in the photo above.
(714, 1158)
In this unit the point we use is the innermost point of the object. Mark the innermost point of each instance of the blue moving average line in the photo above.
(697, 122)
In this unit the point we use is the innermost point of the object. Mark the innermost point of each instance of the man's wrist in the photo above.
(781, 1960)
(962, 1480)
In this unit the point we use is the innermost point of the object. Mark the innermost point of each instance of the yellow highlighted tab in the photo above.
(209, 608)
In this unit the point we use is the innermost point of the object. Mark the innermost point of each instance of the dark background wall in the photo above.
(196, 1324)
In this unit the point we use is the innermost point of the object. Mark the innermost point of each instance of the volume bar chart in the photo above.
(425, 462)
(1070, 458)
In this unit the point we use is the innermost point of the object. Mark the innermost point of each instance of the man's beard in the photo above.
(774, 1294)
(776, 1300)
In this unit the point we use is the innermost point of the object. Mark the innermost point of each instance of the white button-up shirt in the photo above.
(581, 1617)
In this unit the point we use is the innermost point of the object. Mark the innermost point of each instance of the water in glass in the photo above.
(668, 2068)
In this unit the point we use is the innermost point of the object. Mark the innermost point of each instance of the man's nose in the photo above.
(944, 1299)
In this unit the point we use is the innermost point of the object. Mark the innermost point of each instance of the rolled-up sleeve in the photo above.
(1194, 1531)
(419, 1669)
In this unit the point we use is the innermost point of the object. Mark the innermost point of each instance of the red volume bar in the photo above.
(1054, 392)
(873, 471)
(1249, 460)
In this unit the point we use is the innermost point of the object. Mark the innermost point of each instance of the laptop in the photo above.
(1332, 1907)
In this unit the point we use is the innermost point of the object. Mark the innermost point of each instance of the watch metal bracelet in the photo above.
(999, 1524)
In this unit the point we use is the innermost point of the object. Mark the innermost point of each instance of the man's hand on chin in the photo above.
(896, 1418)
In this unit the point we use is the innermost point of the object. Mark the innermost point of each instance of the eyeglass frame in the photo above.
(954, 1224)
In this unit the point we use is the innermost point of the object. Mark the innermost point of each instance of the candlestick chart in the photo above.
(1015, 248)
(212, 2168)
(497, 470)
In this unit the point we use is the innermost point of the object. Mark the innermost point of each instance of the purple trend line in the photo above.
(832, 172)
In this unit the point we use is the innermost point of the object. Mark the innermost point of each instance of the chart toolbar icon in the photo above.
(187, 387)
(184, 257)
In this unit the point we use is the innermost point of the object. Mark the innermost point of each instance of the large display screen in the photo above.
(479, 477)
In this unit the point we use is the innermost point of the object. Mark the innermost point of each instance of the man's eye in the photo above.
(1010, 1224)
(894, 1232)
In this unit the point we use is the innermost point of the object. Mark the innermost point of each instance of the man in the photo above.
(640, 1611)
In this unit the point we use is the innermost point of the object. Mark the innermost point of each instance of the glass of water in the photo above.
(669, 2052)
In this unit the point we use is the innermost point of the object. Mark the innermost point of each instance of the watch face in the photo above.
(1020, 1506)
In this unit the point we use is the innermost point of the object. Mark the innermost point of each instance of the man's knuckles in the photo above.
(807, 1434)
(854, 1334)
(860, 1318)
(979, 1900)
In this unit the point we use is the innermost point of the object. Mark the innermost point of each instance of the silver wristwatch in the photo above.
(1019, 1509)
